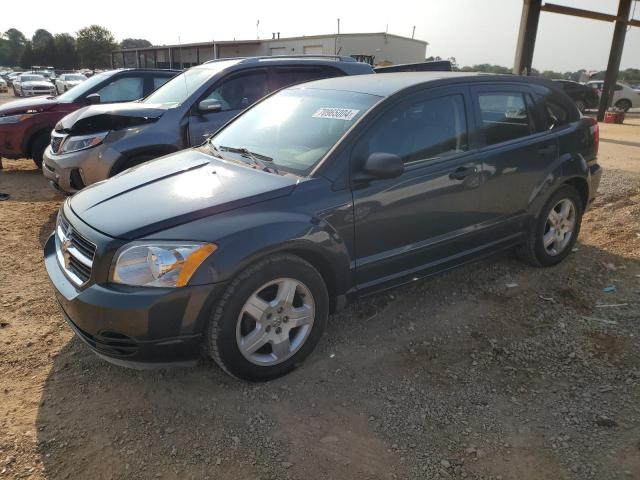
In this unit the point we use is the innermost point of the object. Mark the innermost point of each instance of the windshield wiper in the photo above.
(256, 158)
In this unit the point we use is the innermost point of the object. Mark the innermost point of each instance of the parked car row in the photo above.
(277, 205)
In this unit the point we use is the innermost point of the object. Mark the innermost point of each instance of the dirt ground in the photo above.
(493, 371)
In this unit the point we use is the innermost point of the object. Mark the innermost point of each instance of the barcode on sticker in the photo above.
(336, 113)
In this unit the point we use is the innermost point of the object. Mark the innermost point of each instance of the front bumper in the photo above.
(135, 326)
(595, 173)
(71, 172)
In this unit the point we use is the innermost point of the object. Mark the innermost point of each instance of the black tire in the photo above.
(221, 330)
(38, 147)
(15, 92)
(532, 251)
(131, 162)
(623, 105)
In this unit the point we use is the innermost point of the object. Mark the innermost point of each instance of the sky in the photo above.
(472, 31)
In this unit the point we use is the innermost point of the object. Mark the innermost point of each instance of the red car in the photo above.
(25, 125)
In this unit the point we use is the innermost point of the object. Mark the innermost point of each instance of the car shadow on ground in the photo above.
(394, 387)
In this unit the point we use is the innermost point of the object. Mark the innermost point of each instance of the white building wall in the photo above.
(386, 49)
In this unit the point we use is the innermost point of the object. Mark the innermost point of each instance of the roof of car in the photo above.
(386, 84)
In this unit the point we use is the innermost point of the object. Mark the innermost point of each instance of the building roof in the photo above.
(263, 40)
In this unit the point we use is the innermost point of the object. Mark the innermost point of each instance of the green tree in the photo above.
(66, 53)
(95, 44)
(135, 43)
(15, 43)
(44, 50)
(26, 57)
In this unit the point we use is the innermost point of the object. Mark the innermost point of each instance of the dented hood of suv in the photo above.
(115, 116)
(174, 190)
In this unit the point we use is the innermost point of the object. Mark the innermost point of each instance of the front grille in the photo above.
(42, 89)
(75, 253)
(56, 141)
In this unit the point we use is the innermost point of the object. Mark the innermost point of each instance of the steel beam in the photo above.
(578, 12)
(613, 66)
(527, 36)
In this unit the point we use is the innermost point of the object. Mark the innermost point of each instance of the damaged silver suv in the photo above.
(100, 141)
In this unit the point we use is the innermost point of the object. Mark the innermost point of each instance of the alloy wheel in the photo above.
(275, 321)
(559, 227)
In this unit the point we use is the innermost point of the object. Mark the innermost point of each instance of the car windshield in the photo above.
(32, 78)
(74, 78)
(180, 87)
(294, 128)
(80, 91)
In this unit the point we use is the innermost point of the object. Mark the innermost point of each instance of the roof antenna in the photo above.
(257, 34)
(413, 34)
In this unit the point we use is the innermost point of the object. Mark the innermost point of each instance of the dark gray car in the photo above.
(100, 141)
(319, 194)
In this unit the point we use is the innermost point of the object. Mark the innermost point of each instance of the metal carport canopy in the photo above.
(529, 27)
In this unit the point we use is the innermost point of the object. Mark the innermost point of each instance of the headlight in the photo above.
(13, 118)
(167, 264)
(73, 144)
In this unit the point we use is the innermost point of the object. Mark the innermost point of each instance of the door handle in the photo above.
(462, 173)
(548, 150)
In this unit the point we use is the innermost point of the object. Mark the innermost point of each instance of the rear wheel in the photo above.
(269, 319)
(38, 147)
(556, 229)
(623, 105)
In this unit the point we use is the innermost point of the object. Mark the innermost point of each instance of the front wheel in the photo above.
(38, 147)
(556, 229)
(623, 105)
(269, 319)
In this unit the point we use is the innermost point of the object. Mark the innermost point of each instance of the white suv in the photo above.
(624, 97)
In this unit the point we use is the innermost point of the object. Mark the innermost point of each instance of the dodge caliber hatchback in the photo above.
(98, 142)
(25, 125)
(318, 194)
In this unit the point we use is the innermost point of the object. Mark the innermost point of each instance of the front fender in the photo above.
(246, 235)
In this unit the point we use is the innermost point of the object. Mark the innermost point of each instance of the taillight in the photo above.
(595, 133)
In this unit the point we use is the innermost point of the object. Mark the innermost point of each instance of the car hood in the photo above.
(173, 190)
(100, 118)
(28, 105)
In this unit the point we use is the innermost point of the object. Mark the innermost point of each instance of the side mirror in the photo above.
(93, 99)
(381, 165)
(209, 106)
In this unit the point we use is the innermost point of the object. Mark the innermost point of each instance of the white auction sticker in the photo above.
(336, 113)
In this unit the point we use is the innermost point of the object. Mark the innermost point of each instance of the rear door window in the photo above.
(504, 116)
(239, 91)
